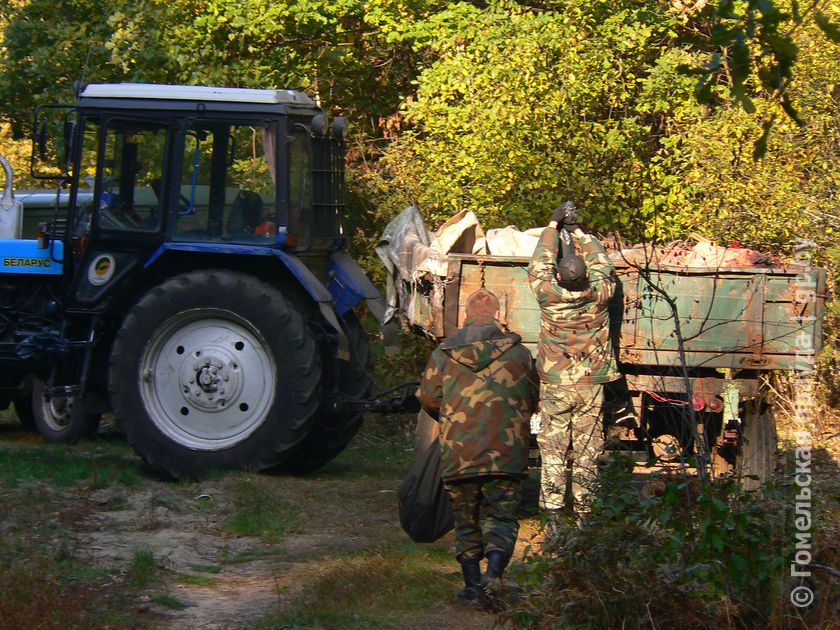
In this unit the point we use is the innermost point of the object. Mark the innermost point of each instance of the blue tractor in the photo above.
(192, 279)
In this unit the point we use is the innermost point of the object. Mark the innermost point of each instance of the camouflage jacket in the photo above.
(574, 344)
(481, 385)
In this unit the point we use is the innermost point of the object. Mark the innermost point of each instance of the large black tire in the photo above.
(54, 418)
(332, 432)
(214, 369)
(756, 460)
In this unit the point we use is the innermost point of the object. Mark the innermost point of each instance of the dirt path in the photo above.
(225, 580)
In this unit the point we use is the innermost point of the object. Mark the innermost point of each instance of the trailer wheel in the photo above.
(757, 456)
(214, 369)
(54, 418)
(331, 431)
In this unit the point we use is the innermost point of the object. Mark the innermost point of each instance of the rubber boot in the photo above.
(471, 568)
(491, 582)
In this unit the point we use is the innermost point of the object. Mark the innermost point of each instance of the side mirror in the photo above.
(52, 141)
(69, 129)
(319, 125)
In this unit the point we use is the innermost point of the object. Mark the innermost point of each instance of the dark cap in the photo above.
(571, 269)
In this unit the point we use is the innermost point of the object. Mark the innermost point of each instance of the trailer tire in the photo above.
(331, 432)
(214, 369)
(55, 421)
(756, 460)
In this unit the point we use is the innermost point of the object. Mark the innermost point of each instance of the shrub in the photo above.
(649, 553)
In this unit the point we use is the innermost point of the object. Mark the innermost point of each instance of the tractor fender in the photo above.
(349, 285)
(317, 291)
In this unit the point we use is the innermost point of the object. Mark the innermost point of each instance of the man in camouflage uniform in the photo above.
(480, 385)
(574, 356)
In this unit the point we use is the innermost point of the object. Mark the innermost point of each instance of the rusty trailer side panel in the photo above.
(741, 318)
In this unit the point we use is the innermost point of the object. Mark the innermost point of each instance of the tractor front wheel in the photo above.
(54, 418)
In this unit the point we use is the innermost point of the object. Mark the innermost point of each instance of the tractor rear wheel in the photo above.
(332, 431)
(214, 369)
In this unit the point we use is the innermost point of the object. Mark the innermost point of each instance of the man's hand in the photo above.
(564, 214)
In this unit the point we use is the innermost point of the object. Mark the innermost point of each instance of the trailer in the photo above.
(694, 343)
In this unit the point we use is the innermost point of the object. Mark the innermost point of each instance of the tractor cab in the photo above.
(150, 165)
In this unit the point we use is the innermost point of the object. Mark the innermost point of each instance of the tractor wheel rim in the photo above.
(207, 379)
(56, 412)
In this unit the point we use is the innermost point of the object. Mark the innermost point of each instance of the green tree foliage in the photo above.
(47, 45)
(346, 53)
(591, 101)
(503, 107)
(524, 108)
(755, 44)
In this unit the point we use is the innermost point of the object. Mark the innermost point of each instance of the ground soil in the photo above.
(227, 580)
(243, 579)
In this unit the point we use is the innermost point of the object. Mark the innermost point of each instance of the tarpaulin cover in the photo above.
(410, 252)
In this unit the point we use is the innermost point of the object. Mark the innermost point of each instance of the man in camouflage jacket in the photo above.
(574, 359)
(481, 386)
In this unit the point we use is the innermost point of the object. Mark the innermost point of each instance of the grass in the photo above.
(142, 569)
(46, 492)
(259, 511)
(372, 589)
(33, 596)
(62, 466)
(206, 568)
(197, 580)
(330, 538)
(167, 601)
(359, 462)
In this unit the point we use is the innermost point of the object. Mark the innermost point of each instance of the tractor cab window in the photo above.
(300, 184)
(117, 172)
(133, 158)
(227, 184)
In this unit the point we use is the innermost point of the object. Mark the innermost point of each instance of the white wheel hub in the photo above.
(57, 411)
(207, 379)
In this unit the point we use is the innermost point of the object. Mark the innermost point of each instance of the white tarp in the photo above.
(510, 241)
(410, 252)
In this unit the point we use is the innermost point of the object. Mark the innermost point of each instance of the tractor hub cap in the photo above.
(57, 412)
(214, 380)
(207, 379)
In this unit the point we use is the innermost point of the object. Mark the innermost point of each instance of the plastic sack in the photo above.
(424, 507)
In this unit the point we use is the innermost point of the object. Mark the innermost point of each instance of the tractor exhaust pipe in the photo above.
(10, 210)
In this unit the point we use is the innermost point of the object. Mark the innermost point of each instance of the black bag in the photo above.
(425, 508)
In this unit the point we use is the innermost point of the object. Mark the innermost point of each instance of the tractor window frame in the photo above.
(120, 205)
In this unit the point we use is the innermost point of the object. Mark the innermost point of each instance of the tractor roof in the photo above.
(130, 94)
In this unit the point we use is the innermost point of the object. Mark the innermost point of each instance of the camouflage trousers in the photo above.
(571, 441)
(485, 514)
